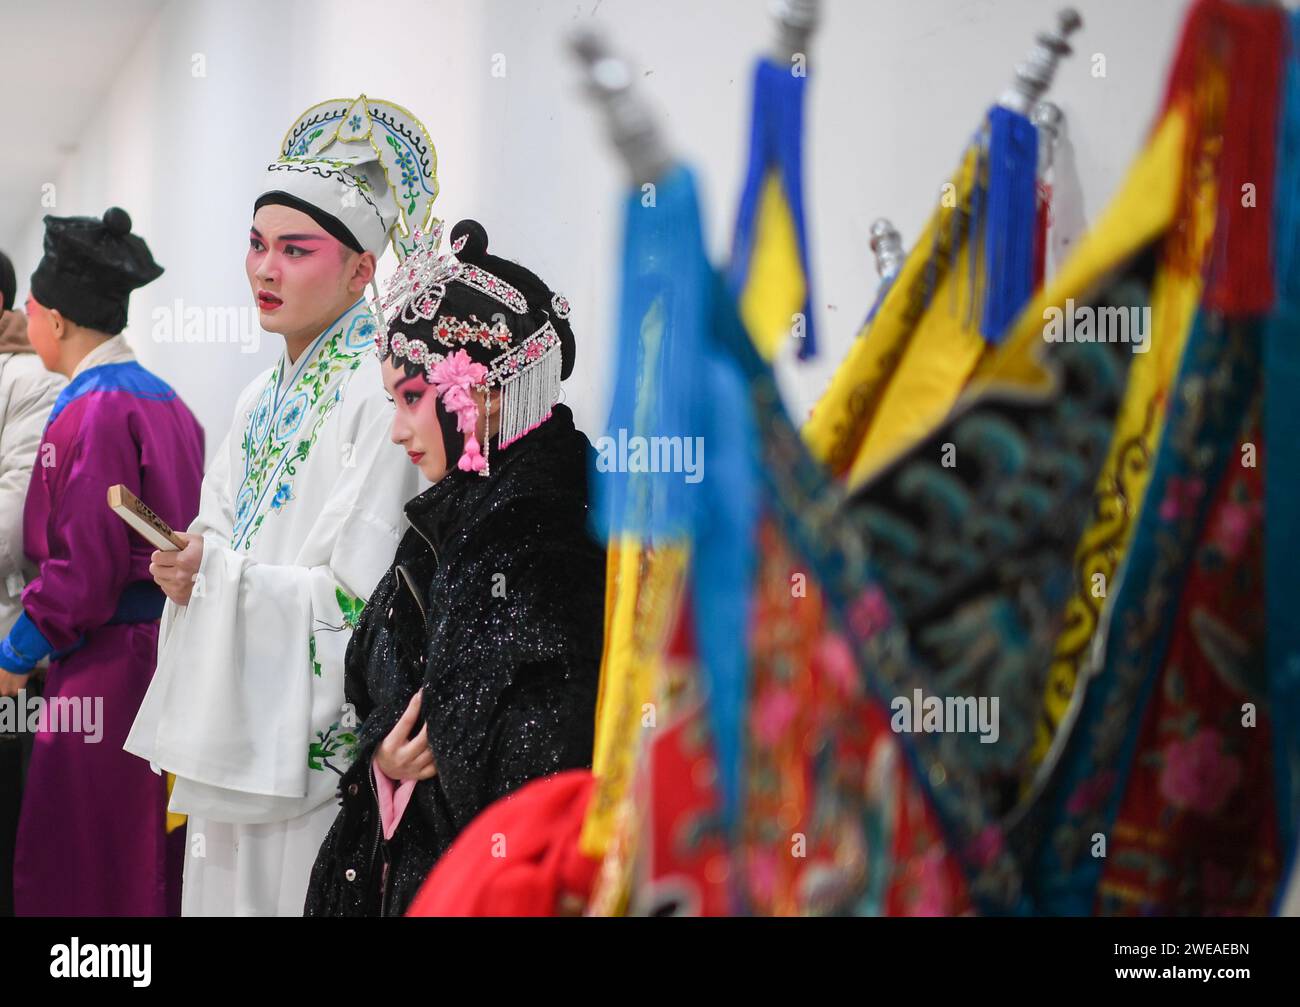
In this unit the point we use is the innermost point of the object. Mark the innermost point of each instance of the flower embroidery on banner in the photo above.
(1232, 530)
(931, 892)
(1091, 793)
(835, 659)
(1198, 774)
(870, 613)
(763, 871)
(987, 846)
(1181, 497)
(776, 710)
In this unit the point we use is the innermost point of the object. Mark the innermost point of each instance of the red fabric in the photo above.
(1228, 68)
(1042, 228)
(518, 857)
(1196, 833)
(684, 866)
(687, 866)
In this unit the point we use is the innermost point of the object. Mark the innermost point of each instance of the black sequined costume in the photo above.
(494, 603)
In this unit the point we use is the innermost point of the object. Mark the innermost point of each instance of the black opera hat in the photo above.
(90, 267)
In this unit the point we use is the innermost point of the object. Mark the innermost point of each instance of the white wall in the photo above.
(896, 89)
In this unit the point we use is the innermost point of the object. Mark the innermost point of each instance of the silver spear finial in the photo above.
(1034, 76)
(887, 244)
(631, 122)
(795, 22)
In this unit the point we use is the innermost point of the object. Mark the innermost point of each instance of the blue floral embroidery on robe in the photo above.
(272, 447)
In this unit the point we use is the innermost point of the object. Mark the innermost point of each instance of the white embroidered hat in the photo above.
(365, 170)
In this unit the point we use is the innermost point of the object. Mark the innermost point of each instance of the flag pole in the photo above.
(629, 119)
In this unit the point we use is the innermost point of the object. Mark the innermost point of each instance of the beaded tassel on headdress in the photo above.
(528, 396)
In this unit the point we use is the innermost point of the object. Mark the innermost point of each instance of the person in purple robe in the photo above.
(92, 836)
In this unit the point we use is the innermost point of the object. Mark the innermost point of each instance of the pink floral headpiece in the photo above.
(454, 378)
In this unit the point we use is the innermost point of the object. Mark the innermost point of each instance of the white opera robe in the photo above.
(301, 513)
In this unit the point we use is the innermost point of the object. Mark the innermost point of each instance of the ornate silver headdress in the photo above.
(528, 375)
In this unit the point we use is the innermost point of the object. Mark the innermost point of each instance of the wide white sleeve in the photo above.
(213, 522)
(247, 705)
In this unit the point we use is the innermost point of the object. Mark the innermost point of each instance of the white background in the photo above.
(895, 90)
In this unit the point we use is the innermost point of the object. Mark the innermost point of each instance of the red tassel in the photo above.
(1044, 225)
(1228, 72)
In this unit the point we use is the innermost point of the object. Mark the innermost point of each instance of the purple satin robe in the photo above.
(91, 834)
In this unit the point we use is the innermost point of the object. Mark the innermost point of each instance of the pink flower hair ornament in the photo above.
(453, 378)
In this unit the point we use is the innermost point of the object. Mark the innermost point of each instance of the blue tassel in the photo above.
(674, 380)
(724, 562)
(776, 142)
(1010, 218)
(663, 330)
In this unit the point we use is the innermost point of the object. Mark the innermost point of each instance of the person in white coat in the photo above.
(27, 394)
